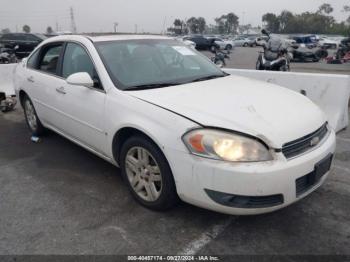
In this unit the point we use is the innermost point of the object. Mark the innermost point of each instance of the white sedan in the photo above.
(176, 125)
(223, 44)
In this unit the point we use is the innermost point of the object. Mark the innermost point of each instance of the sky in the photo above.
(144, 15)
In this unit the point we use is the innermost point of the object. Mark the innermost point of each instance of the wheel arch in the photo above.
(21, 96)
(123, 134)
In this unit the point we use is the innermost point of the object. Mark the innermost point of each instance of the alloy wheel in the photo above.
(144, 174)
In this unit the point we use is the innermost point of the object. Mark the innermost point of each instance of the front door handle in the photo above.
(30, 79)
(61, 90)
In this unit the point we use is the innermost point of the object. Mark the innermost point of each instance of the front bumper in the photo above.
(196, 176)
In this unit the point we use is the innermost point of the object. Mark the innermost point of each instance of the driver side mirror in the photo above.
(80, 79)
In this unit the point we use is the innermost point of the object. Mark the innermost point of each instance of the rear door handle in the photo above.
(30, 79)
(61, 90)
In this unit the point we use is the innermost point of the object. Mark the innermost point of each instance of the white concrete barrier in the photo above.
(330, 92)
(6, 79)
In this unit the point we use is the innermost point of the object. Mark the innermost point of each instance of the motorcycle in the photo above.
(8, 55)
(275, 56)
(219, 58)
(343, 53)
(344, 49)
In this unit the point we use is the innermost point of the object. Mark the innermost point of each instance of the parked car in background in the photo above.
(243, 41)
(187, 42)
(289, 41)
(203, 43)
(176, 125)
(25, 42)
(222, 43)
(309, 41)
(328, 43)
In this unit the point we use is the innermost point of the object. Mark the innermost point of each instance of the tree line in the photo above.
(319, 22)
(225, 24)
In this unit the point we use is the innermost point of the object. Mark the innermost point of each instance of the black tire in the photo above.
(39, 129)
(213, 48)
(245, 44)
(228, 47)
(168, 197)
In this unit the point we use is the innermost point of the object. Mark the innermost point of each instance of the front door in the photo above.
(83, 108)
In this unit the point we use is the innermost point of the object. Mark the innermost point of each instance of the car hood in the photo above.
(275, 114)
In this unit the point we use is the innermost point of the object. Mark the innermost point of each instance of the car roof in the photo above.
(105, 38)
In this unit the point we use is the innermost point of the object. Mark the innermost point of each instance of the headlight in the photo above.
(226, 146)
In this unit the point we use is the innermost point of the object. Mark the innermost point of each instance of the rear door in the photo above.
(42, 79)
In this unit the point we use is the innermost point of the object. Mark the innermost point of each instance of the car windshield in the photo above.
(150, 63)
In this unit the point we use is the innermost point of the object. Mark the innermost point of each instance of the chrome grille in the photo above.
(306, 143)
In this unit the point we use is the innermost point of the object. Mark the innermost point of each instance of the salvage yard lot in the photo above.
(246, 57)
(57, 198)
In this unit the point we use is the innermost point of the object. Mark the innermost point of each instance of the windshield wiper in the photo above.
(151, 86)
(208, 78)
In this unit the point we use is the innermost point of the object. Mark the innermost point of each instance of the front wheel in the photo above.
(285, 68)
(228, 47)
(148, 174)
(32, 118)
(220, 63)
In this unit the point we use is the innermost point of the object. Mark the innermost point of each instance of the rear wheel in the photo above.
(148, 174)
(245, 44)
(228, 47)
(32, 118)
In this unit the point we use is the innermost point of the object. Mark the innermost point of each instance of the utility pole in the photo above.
(164, 23)
(116, 27)
(135, 28)
(72, 21)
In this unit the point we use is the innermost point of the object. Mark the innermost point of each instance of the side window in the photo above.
(49, 59)
(20, 37)
(31, 38)
(6, 37)
(33, 60)
(77, 60)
